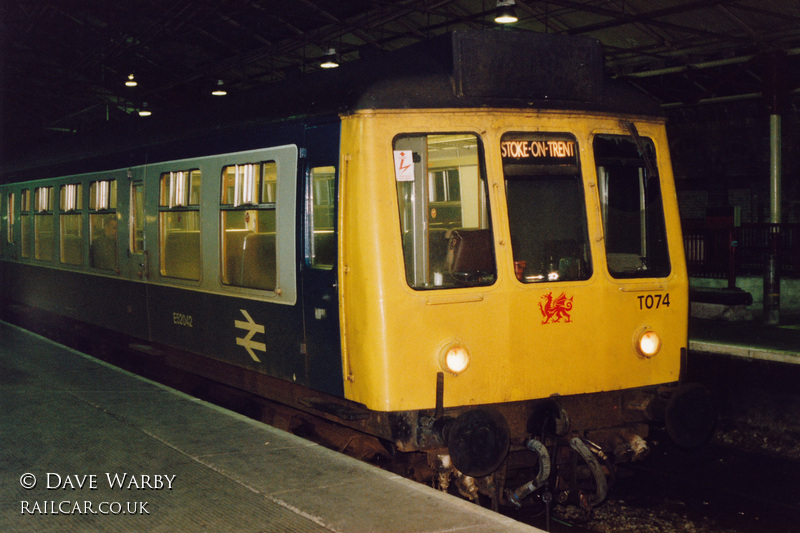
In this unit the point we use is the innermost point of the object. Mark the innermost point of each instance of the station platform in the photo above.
(749, 339)
(85, 446)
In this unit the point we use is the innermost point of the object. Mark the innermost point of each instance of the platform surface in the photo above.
(749, 339)
(85, 446)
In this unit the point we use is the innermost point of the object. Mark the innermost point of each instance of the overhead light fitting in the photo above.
(330, 59)
(506, 14)
(130, 82)
(220, 89)
(145, 111)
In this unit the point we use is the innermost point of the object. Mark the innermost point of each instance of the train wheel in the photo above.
(690, 415)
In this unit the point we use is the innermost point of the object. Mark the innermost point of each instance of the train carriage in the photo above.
(469, 248)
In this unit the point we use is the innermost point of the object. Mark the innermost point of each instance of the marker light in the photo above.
(648, 343)
(454, 358)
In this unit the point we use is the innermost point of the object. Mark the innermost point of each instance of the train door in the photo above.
(319, 269)
(138, 265)
(133, 251)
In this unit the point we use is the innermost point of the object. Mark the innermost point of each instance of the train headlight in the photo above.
(648, 343)
(454, 358)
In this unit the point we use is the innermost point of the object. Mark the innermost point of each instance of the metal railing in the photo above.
(744, 250)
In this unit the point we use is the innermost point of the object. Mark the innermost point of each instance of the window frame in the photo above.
(43, 215)
(312, 212)
(25, 218)
(70, 206)
(177, 198)
(10, 211)
(548, 157)
(431, 266)
(103, 203)
(250, 189)
(650, 261)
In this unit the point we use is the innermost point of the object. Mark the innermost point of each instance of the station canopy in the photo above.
(65, 64)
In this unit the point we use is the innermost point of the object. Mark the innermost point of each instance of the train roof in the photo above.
(462, 69)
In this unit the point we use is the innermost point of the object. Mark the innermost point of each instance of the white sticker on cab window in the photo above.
(404, 165)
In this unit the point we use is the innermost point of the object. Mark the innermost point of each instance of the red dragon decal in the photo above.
(554, 310)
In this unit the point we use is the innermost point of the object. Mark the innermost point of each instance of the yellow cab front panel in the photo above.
(568, 274)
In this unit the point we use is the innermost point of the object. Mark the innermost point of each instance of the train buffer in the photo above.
(115, 452)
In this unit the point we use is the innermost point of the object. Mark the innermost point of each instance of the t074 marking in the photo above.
(653, 301)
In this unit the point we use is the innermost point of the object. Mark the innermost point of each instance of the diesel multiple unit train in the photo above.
(469, 248)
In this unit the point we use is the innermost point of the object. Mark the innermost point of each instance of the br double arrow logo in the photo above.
(247, 341)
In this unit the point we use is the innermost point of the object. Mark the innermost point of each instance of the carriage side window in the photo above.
(10, 221)
(103, 248)
(320, 211)
(248, 207)
(631, 207)
(179, 224)
(71, 224)
(444, 215)
(25, 222)
(546, 207)
(43, 223)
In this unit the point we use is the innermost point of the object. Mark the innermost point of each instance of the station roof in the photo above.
(64, 63)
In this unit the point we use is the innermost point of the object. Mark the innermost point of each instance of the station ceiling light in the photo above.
(145, 111)
(130, 82)
(506, 13)
(219, 89)
(329, 59)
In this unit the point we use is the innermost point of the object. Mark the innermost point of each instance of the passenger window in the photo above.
(43, 224)
(632, 207)
(71, 224)
(179, 224)
(248, 205)
(103, 250)
(320, 213)
(444, 218)
(546, 207)
(25, 222)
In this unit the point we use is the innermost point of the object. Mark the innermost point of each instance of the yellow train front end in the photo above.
(508, 271)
